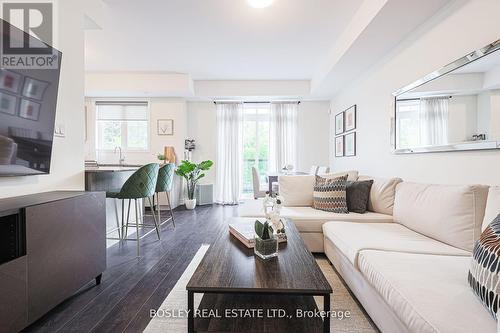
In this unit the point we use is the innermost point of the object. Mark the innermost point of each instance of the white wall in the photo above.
(484, 112)
(67, 167)
(202, 126)
(313, 135)
(445, 38)
(462, 118)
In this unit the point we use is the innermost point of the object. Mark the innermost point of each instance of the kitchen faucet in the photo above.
(122, 157)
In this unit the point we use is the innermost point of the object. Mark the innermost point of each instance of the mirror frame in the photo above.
(461, 146)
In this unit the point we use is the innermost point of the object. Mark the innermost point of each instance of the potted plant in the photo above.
(161, 157)
(266, 243)
(192, 173)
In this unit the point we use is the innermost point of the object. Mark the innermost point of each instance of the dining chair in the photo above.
(323, 170)
(259, 191)
(140, 185)
(314, 170)
(164, 184)
(8, 151)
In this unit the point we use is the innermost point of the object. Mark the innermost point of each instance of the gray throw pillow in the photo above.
(358, 194)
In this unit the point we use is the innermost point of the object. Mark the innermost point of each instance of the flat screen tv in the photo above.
(28, 99)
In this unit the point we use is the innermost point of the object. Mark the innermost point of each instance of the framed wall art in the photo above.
(339, 146)
(29, 110)
(165, 127)
(34, 88)
(339, 123)
(350, 118)
(350, 144)
(10, 81)
(8, 104)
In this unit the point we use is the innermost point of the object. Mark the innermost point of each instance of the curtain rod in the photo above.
(257, 102)
(419, 98)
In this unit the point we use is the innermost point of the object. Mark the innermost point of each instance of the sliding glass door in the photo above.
(256, 118)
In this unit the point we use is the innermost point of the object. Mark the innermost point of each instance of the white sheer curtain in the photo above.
(229, 153)
(283, 135)
(434, 121)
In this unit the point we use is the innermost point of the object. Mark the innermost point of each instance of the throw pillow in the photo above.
(330, 194)
(484, 272)
(358, 195)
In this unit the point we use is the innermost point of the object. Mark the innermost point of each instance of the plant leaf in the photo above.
(259, 228)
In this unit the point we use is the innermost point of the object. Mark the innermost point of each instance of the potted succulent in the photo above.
(192, 173)
(266, 243)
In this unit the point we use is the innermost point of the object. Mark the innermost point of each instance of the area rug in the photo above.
(349, 315)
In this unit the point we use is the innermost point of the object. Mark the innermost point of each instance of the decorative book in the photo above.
(245, 233)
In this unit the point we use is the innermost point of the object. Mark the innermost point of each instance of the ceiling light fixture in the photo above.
(260, 3)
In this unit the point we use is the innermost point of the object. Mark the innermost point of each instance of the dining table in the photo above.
(272, 177)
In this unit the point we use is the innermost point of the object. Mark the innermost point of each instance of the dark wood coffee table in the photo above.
(231, 277)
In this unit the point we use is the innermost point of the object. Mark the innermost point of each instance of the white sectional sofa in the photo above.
(407, 259)
(297, 192)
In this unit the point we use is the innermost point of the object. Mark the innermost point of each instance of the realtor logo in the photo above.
(27, 35)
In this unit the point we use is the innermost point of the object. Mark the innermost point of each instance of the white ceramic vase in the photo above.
(190, 203)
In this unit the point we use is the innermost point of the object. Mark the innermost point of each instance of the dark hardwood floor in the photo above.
(130, 286)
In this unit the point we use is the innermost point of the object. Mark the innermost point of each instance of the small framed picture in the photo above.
(34, 88)
(8, 104)
(350, 144)
(165, 127)
(29, 110)
(350, 118)
(10, 81)
(339, 146)
(339, 123)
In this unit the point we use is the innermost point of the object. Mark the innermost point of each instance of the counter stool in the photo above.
(164, 184)
(140, 185)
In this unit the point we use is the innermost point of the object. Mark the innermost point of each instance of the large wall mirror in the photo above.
(454, 108)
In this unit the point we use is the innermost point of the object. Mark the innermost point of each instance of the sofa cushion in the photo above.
(297, 190)
(330, 194)
(351, 238)
(358, 195)
(312, 221)
(485, 268)
(352, 175)
(382, 194)
(308, 219)
(428, 293)
(448, 213)
(492, 206)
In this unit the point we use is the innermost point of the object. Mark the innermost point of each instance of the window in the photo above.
(255, 143)
(408, 127)
(122, 124)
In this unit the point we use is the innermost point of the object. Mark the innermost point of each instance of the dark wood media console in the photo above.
(51, 244)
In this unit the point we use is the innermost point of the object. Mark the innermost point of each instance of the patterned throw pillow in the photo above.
(358, 195)
(330, 194)
(484, 272)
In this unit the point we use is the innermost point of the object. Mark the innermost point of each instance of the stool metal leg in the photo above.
(159, 207)
(157, 227)
(120, 228)
(170, 208)
(128, 218)
(117, 218)
(137, 227)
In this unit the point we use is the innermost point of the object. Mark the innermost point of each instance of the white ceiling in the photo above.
(218, 39)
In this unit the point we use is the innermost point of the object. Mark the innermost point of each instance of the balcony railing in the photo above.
(247, 173)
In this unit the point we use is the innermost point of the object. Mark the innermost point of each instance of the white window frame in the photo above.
(124, 128)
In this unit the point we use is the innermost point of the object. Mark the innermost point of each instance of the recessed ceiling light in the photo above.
(260, 3)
